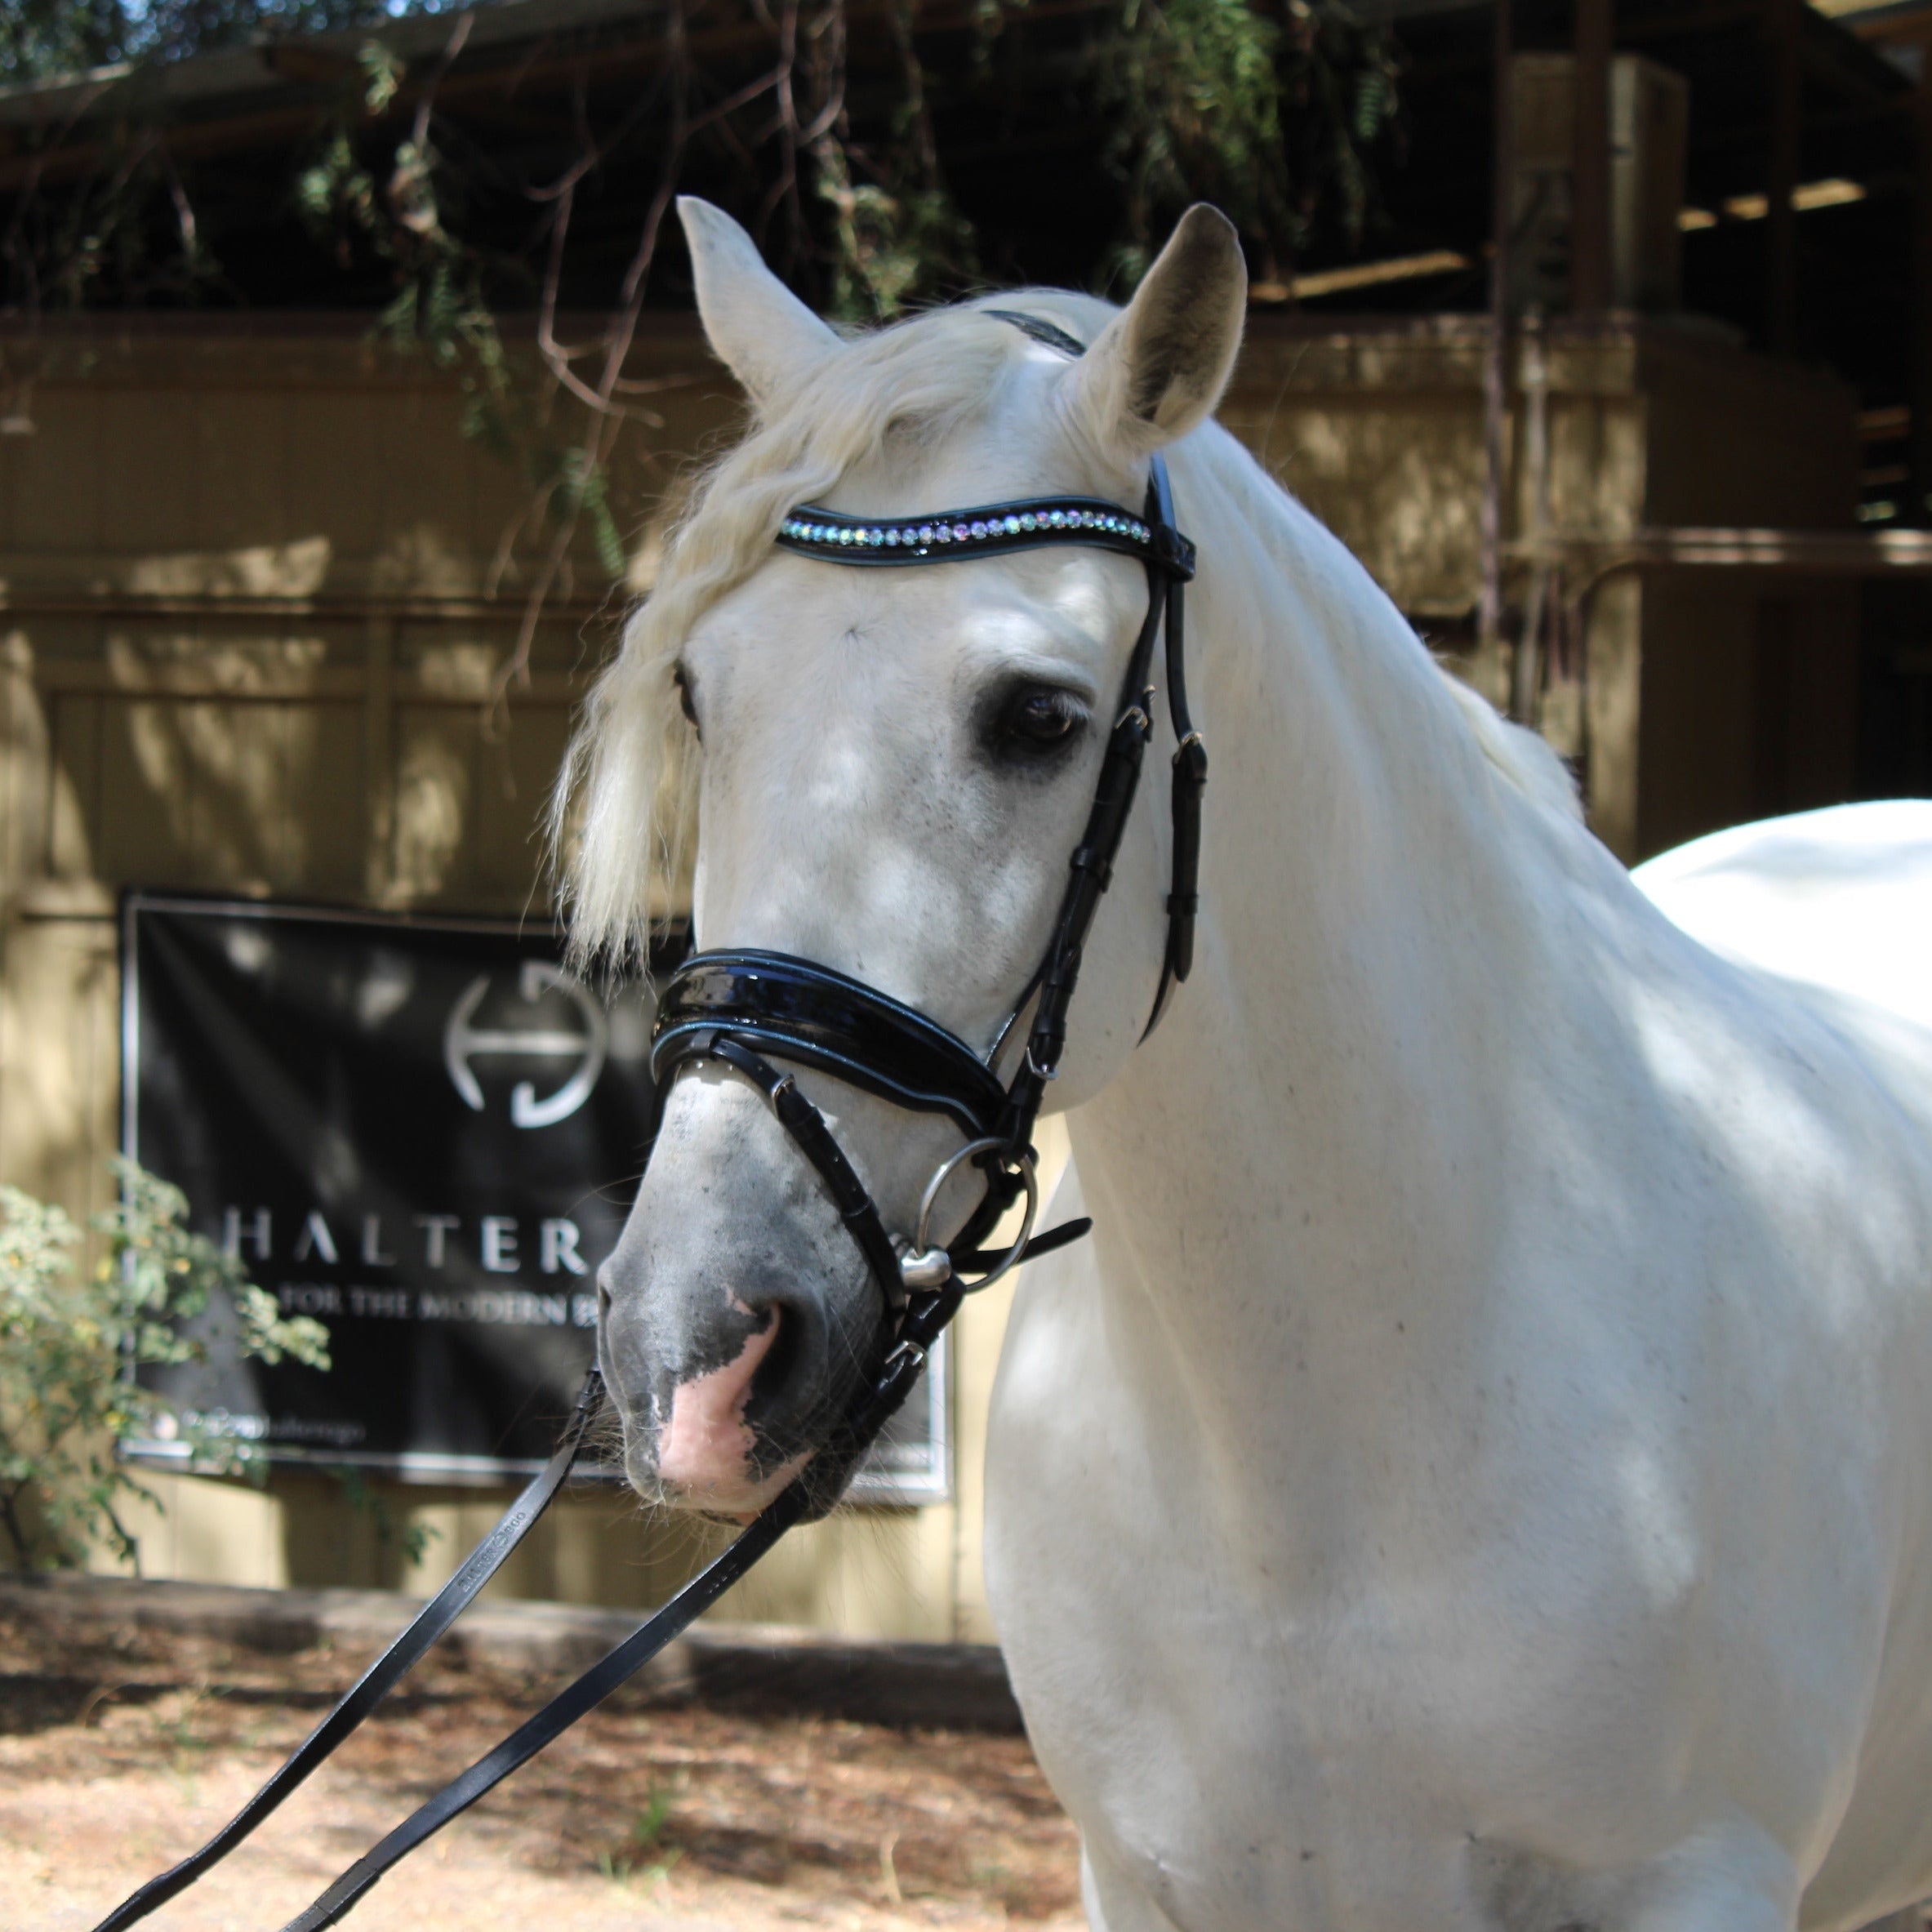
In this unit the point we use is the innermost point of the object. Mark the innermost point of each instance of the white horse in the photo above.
(1479, 1473)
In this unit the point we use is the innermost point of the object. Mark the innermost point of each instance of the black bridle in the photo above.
(747, 1009)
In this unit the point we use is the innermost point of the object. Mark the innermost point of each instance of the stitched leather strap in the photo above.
(376, 1683)
(806, 1125)
(926, 1315)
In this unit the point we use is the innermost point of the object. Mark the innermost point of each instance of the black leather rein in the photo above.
(746, 1010)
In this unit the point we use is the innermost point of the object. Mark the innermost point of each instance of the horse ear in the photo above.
(757, 327)
(1160, 365)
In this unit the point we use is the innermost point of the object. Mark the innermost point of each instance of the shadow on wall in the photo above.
(364, 796)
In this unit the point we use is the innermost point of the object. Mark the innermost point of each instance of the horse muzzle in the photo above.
(737, 1318)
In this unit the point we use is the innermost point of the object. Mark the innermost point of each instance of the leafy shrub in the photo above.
(71, 1340)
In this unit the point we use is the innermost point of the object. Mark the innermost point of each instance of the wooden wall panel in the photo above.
(146, 795)
(231, 663)
(59, 1080)
(329, 822)
(332, 461)
(246, 592)
(56, 474)
(517, 767)
(436, 748)
(245, 796)
(241, 459)
(151, 486)
(72, 775)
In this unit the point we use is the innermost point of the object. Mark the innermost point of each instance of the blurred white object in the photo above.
(1840, 898)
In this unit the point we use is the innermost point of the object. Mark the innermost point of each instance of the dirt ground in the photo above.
(113, 1764)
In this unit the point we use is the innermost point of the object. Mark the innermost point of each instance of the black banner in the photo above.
(423, 1133)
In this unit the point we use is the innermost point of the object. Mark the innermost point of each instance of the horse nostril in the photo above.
(780, 1356)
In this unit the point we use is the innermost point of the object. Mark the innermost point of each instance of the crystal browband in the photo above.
(1085, 520)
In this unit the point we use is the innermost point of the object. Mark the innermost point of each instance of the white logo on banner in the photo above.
(461, 1042)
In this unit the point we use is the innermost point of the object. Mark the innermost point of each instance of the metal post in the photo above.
(1590, 280)
(1496, 361)
(1526, 673)
(1786, 113)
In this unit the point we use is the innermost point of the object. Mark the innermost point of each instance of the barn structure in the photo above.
(1637, 472)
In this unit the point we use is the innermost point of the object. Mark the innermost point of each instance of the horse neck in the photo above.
(1309, 1151)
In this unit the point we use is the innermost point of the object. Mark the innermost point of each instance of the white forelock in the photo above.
(622, 813)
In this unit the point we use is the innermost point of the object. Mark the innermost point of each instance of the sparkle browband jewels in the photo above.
(809, 528)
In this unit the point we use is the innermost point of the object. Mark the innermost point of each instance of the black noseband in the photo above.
(820, 1018)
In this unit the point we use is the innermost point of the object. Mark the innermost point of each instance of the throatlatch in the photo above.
(745, 1009)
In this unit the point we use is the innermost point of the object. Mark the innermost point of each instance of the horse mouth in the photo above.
(739, 1501)
(711, 1452)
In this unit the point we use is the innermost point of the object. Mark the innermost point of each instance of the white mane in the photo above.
(1523, 758)
(621, 816)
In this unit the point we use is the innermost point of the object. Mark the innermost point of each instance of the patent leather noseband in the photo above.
(747, 1010)
(808, 1013)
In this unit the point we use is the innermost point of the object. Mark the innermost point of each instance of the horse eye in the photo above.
(1037, 718)
(681, 679)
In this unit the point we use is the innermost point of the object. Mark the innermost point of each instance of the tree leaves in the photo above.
(1267, 114)
(42, 39)
(70, 1340)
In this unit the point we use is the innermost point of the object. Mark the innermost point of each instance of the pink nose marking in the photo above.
(704, 1445)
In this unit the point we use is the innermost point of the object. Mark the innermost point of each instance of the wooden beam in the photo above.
(215, 607)
(1800, 553)
(1590, 276)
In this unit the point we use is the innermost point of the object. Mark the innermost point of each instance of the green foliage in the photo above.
(38, 38)
(43, 39)
(411, 1541)
(441, 311)
(898, 237)
(1268, 108)
(70, 1338)
(1269, 115)
(893, 246)
(643, 1855)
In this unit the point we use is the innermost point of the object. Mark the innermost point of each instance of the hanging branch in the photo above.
(1269, 106)
(604, 417)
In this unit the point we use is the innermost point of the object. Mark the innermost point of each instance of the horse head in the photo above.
(885, 774)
